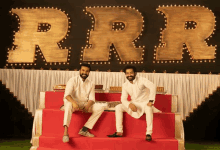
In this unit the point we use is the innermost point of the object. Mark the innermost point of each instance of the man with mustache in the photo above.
(140, 102)
(80, 96)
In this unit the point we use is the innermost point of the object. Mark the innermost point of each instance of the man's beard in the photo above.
(131, 78)
(84, 76)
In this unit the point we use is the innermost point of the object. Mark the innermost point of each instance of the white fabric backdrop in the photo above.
(191, 89)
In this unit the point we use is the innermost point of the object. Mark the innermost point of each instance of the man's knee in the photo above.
(100, 109)
(118, 107)
(148, 108)
(69, 107)
(97, 108)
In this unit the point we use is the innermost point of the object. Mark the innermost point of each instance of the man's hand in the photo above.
(87, 106)
(133, 107)
(75, 106)
(150, 104)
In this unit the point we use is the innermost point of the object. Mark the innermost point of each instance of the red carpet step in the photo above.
(163, 124)
(134, 129)
(53, 100)
(85, 143)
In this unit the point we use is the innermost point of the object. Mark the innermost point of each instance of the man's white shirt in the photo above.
(80, 91)
(139, 94)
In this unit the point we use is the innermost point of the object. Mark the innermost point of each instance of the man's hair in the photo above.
(130, 67)
(85, 65)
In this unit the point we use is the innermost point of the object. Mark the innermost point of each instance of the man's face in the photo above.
(130, 75)
(84, 72)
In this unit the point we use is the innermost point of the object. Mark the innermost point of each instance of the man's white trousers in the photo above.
(96, 110)
(119, 109)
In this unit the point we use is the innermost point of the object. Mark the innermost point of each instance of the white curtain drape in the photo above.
(191, 89)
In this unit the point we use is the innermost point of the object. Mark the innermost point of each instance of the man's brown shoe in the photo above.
(86, 133)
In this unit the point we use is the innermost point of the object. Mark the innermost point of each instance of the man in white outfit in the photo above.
(80, 96)
(141, 102)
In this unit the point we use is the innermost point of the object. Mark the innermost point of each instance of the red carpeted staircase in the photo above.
(164, 126)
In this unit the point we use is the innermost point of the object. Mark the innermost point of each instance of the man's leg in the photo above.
(149, 119)
(119, 109)
(155, 110)
(68, 110)
(97, 111)
(119, 118)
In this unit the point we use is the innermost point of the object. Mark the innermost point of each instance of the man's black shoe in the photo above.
(114, 135)
(148, 137)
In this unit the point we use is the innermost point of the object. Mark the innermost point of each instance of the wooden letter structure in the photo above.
(28, 36)
(175, 33)
(103, 36)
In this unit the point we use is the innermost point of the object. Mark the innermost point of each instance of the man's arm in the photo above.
(70, 99)
(152, 87)
(125, 102)
(91, 100)
(92, 94)
(88, 105)
(68, 93)
(124, 97)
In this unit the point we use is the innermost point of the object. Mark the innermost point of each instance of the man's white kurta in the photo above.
(140, 96)
(80, 91)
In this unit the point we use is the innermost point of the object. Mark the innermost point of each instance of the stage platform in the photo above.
(48, 127)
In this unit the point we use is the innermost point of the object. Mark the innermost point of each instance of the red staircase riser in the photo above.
(53, 100)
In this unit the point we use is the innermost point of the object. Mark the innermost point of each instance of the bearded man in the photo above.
(80, 96)
(140, 102)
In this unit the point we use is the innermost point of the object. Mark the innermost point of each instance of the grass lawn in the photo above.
(202, 146)
(19, 144)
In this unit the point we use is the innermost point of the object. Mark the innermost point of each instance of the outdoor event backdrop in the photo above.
(203, 123)
(199, 23)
